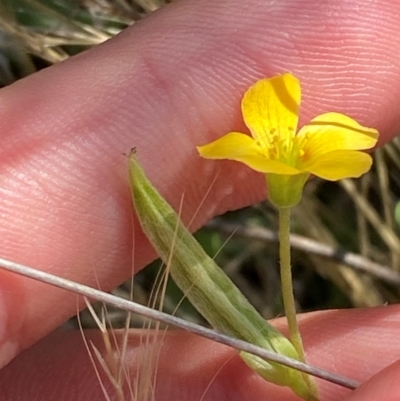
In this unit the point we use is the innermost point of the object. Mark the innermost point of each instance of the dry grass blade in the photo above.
(112, 363)
(89, 348)
(383, 180)
(386, 233)
(53, 30)
(174, 321)
(364, 265)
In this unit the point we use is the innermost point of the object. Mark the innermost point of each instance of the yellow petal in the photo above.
(244, 149)
(334, 131)
(341, 164)
(271, 107)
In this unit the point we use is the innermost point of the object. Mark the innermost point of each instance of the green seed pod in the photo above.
(207, 287)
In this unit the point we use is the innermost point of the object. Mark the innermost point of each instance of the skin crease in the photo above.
(169, 83)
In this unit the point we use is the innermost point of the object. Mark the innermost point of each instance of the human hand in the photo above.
(65, 202)
(356, 343)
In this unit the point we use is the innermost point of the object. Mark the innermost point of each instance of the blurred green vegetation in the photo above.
(38, 33)
(361, 216)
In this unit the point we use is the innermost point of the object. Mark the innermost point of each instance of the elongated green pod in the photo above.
(208, 288)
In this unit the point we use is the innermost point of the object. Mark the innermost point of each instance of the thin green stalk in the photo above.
(288, 293)
(287, 281)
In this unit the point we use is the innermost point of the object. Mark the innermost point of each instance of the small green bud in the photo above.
(285, 191)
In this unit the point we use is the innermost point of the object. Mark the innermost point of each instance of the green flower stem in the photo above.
(287, 281)
(208, 288)
(287, 290)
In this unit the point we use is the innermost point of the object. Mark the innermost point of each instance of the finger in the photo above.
(383, 386)
(169, 83)
(181, 366)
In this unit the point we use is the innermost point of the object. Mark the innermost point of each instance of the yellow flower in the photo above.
(328, 146)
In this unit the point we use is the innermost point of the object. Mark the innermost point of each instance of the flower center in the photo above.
(286, 148)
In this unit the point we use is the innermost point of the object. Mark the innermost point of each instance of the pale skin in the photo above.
(167, 84)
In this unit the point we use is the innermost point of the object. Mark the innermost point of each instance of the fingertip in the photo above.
(382, 386)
